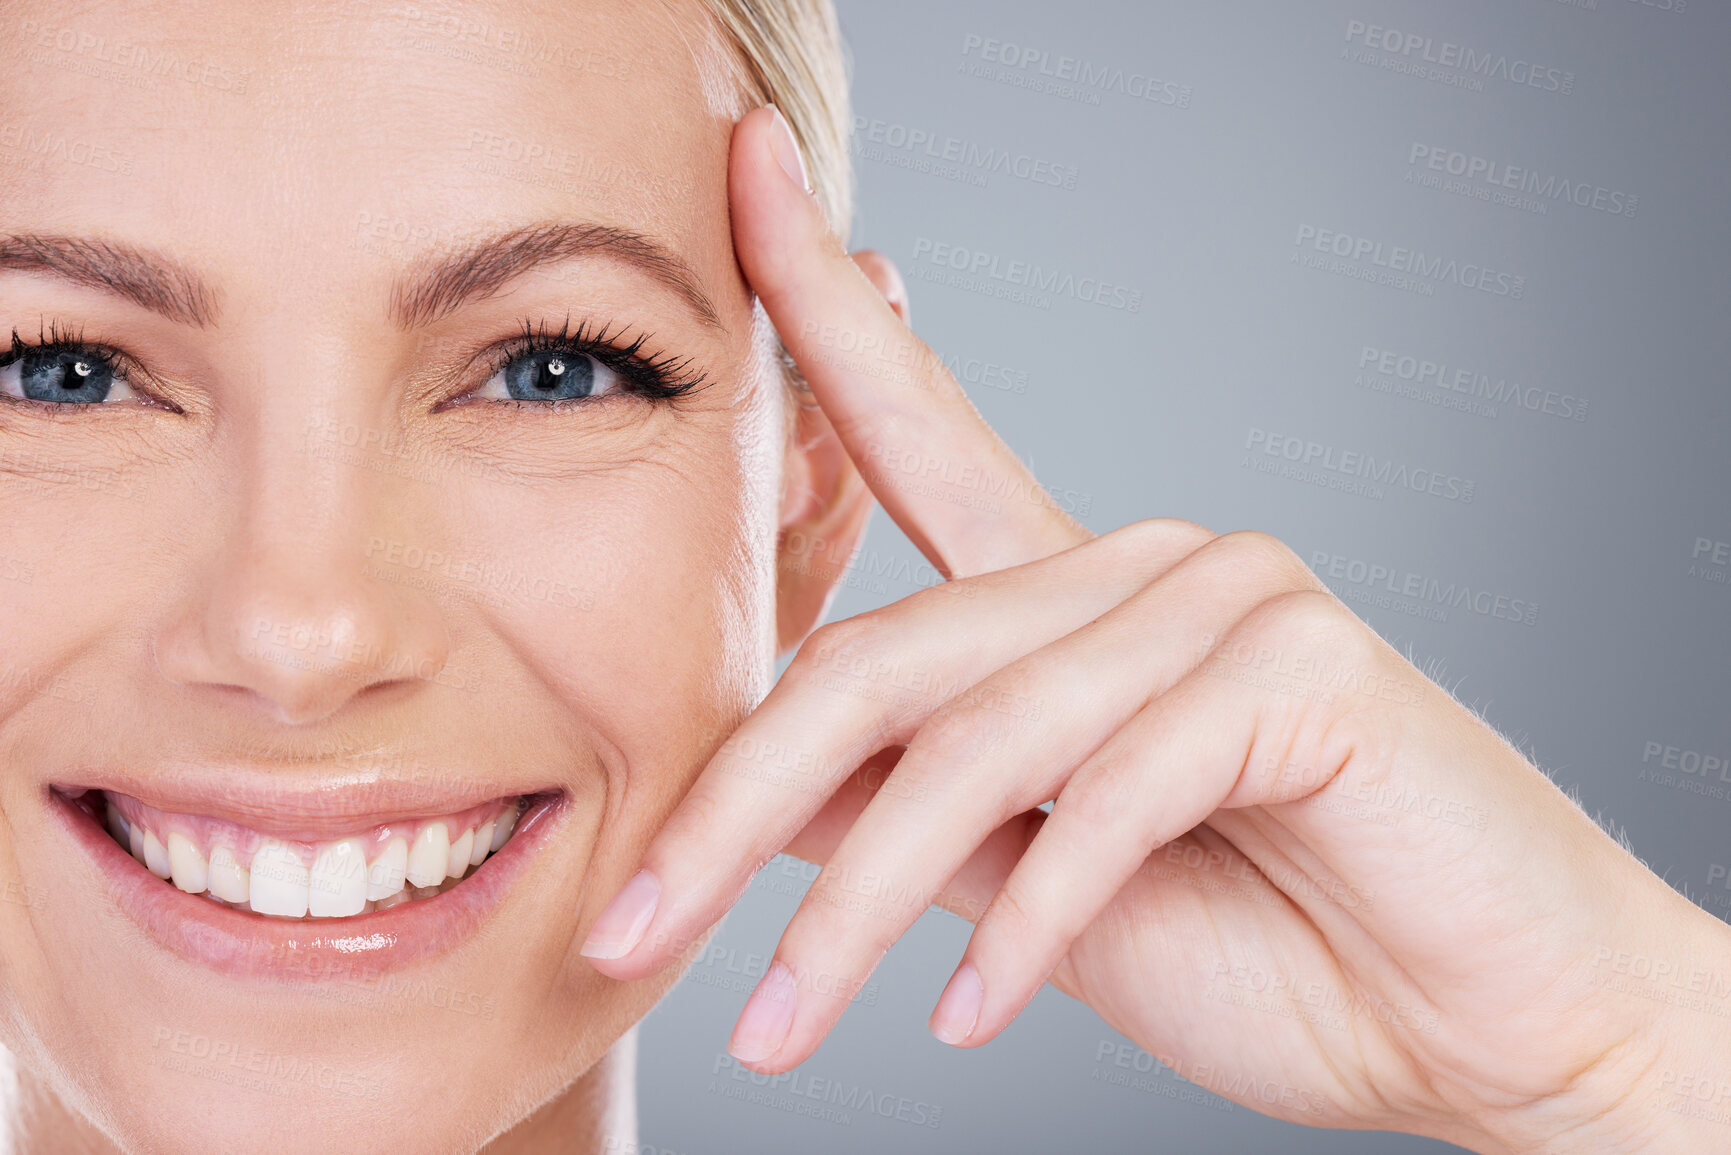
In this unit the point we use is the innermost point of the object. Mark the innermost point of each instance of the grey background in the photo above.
(1133, 414)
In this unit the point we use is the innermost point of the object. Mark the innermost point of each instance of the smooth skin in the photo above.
(1279, 856)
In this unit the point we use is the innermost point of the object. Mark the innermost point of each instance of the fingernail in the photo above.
(620, 927)
(786, 150)
(767, 1017)
(958, 1007)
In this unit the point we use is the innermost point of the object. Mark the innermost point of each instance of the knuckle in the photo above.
(1108, 796)
(692, 822)
(961, 737)
(1310, 619)
(1177, 530)
(1160, 540)
(1013, 913)
(846, 635)
(1269, 555)
(837, 646)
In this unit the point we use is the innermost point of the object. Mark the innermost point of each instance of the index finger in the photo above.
(947, 479)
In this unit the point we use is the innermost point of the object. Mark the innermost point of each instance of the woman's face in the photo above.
(330, 524)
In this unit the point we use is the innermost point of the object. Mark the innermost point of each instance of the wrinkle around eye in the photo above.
(99, 451)
(497, 440)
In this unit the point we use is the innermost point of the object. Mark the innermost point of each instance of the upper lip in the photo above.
(307, 802)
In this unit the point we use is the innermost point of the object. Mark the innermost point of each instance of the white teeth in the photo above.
(280, 880)
(385, 875)
(460, 851)
(229, 880)
(338, 881)
(389, 901)
(502, 831)
(430, 855)
(156, 856)
(117, 825)
(190, 872)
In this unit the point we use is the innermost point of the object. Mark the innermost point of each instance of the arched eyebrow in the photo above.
(438, 288)
(481, 269)
(158, 283)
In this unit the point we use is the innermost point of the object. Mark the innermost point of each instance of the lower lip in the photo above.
(247, 945)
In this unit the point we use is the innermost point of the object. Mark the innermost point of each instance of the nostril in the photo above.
(300, 669)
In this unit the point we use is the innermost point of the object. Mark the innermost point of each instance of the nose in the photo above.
(282, 608)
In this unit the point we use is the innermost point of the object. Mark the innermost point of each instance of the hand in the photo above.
(1279, 857)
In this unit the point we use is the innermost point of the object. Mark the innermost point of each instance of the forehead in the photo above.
(235, 131)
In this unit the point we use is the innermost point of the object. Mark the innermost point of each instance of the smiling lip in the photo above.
(243, 944)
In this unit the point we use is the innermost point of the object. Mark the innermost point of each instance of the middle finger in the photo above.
(847, 695)
(982, 759)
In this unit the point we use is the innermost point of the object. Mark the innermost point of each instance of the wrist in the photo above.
(1657, 1077)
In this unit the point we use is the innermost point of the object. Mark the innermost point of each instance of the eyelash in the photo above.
(656, 376)
(54, 337)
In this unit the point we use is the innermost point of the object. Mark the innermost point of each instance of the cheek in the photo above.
(641, 596)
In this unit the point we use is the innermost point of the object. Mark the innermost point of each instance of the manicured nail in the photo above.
(958, 1008)
(767, 1017)
(621, 926)
(786, 150)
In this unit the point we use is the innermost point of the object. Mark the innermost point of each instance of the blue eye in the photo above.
(63, 373)
(550, 375)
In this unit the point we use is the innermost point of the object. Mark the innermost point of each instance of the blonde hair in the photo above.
(789, 53)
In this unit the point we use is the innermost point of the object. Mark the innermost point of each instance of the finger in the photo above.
(936, 467)
(1181, 758)
(1005, 745)
(971, 888)
(884, 275)
(854, 688)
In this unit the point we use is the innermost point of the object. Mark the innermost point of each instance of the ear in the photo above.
(825, 504)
